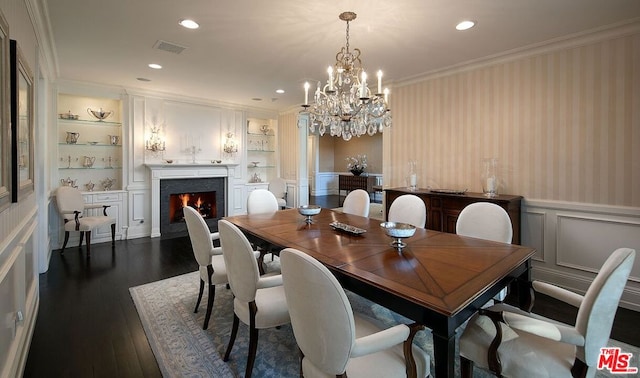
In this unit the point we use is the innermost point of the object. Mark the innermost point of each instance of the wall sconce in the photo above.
(155, 143)
(230, 146)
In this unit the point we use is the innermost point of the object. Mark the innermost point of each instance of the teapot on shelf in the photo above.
(101, 115)
(88, 161)
(68, 182)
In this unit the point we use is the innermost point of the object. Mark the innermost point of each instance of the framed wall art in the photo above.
(22, 124)
(5, 126)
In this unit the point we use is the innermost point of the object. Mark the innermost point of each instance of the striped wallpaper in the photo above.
(288, 145)
(564, 124)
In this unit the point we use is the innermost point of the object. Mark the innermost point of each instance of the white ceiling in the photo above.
(247, 49)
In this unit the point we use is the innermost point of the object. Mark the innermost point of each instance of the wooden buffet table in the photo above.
(443, 209)
(351, 182)
(439, 280)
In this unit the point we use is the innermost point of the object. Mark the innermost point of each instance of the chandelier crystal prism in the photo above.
(345, 105)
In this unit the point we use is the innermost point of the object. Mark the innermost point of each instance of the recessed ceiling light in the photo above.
(464, 25)
(189, 24)
(281, 91)
(143, 79)
(155, 66)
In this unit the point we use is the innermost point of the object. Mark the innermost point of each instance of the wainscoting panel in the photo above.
(238, 200)
(325, 183)
(139, 214)
(582, 238)
(576, 239)
(532, 229)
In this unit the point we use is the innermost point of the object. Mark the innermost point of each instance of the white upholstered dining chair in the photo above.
(486, 220)
(333, 340)
(357, 203)
(72, 208)
(261, 201)
(530, 345)
(212, 268)
(408, 208)
(259, 301)
(278, 186)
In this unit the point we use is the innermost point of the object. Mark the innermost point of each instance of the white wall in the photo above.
(20, 243)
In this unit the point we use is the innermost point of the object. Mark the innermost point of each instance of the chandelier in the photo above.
(346, 105)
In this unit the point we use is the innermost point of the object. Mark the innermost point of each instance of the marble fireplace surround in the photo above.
(185, 171)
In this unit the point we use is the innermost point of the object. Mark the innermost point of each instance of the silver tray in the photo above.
(347, 228)
(448, 191)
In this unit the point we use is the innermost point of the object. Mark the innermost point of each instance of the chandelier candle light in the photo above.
(345, 104)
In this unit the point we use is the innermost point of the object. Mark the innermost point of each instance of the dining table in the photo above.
(438, 279)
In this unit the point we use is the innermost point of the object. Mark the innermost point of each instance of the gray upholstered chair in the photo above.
(212, 268)
(333, 340)
(529, 345)
(486, 220)
(408, 208)
(72, 208)
(278, 186)
(259, 301)
(261, 201)
(357, 203)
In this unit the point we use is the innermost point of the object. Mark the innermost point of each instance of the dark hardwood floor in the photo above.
(88, 326)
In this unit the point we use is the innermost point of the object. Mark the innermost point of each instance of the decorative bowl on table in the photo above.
(398, 231)
(309, 211)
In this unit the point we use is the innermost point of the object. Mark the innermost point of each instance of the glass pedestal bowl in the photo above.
(398, 231)
(309, 211)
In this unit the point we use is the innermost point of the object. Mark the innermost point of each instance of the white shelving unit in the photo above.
(95, 157)
(261, 151)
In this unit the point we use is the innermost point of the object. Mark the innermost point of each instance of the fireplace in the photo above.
(207, 195)
(227, 196)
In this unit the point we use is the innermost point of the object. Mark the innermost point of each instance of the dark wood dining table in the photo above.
(439, 279)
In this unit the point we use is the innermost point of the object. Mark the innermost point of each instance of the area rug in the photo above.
(183, 349)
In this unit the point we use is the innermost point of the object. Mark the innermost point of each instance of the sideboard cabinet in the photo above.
(443, 209)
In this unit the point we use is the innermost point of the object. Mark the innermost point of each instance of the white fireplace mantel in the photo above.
(181, 171)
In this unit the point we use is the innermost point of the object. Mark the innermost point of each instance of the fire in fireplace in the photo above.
(204, 202)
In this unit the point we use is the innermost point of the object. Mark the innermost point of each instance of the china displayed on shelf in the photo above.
(101, 115)
(69, 116)
(88, 161)
(68, 182)
(90, 146)
(72, 137)
(107, 183)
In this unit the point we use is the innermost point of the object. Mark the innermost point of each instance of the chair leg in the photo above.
(261, 262)
(253, 339)
(212, 296)
(466, 367)
(113, 234)
(81, 238)
(232, 338)
(88, 243)
(64, 244)
(195, 311)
